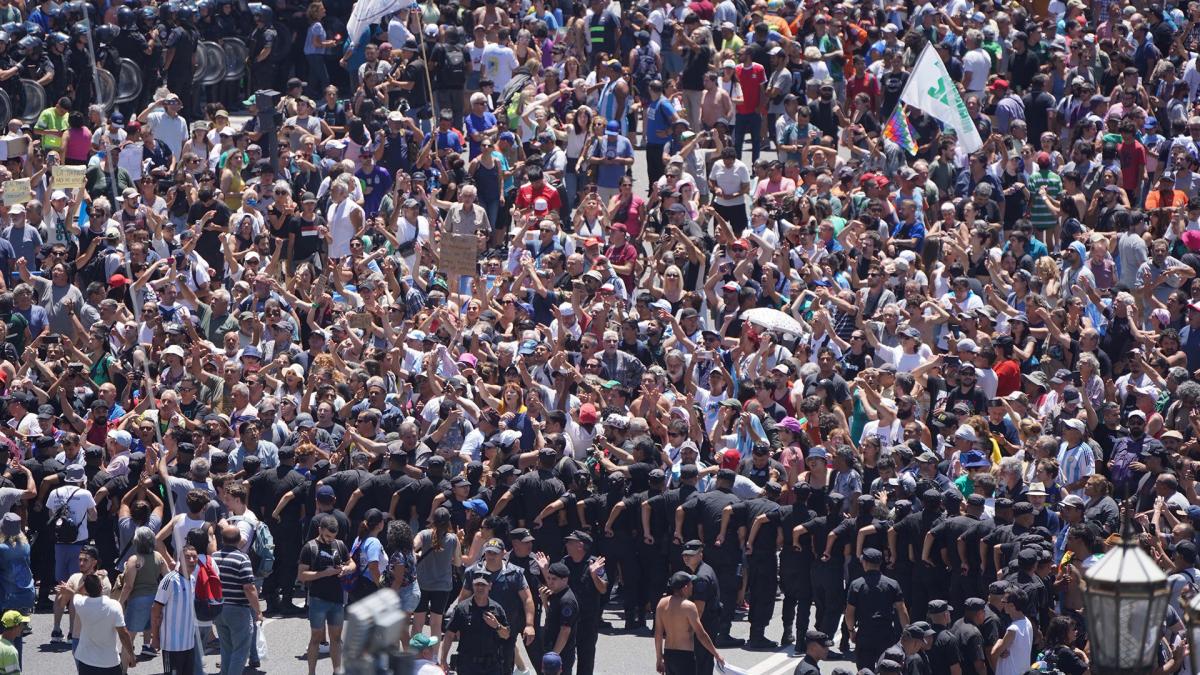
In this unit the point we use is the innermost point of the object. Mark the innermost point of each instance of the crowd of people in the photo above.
(906, 379)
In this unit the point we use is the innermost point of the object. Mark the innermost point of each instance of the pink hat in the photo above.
(1191, 239)
(468, 359)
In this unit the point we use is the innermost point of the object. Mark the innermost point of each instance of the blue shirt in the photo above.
(905, 231)
(476, 124)
(380, 182)
(448, 140)
(610, 175)
(658, 118)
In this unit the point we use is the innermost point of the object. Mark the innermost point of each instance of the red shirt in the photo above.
(619, 255)
(1133, 163)
(866, 84)
(753, 80)
(526, 197)
(1008, 377)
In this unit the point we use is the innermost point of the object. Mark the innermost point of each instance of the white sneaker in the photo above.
(323, 649)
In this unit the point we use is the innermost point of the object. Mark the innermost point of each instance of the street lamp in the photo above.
(1191, 619)
(1125, 595)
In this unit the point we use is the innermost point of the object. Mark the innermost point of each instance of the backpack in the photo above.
(210, 599)
(66, 530)
(645, 68)
(262, 550)
(456, 66)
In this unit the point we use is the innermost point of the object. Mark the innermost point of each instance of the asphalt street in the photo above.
(287, 642)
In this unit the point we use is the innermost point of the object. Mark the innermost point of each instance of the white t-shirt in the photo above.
(99, 618)
(729, 179)
(78, 501)
(172, 131)
(978, 64)
(1019, 650)
(341, 227)
(498, 64)
(245, 524)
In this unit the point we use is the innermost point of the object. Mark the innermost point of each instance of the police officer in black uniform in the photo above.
(706, 593)
(946, 651)
(590, 584)
(795, 566)
(481, 626)
(41, 465)
(10, 79)
(706, 510)
(875, 610)
(971, 654)
(761, 562)
(521, 556)
(267, 487)
(530, 494)
(180, 47)
(829, 592)
(56, 52)
(261, 48)
(816, 649)
(560, 633)
(946, 554)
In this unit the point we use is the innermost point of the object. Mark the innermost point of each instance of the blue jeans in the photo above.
(66, 560)
(235, 630)
(752, 123)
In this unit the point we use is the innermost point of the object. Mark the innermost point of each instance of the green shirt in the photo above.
(10, 664)
(1039, 212)
(50, 120)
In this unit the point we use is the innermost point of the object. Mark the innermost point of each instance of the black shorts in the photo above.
(679, 662)
(434, 602)
(179, 663)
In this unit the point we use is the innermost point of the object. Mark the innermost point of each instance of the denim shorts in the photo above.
(410, 595)
(323, 612)
(137, 613)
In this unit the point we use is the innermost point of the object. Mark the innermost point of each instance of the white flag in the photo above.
(931, 89)
(367, 12)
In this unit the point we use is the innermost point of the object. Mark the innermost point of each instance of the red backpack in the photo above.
(210, 598)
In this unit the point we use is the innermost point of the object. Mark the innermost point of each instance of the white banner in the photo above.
(368, 12)
(931, 89)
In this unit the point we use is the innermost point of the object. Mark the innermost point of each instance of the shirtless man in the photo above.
(676, 626)
(715, 102)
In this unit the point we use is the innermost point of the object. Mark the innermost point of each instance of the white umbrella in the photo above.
(773, 319)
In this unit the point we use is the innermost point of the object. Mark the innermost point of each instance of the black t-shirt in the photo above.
(562, 611)
(345, 533)
(476, 638)
(707, 589)
(696, 64)
(209, 243)
(319, 556)
(534, 491)
(268, 486)
(706, 510)
(744, 515)
(945, 652)
(874, 597)
(582, 584)
(970, 643)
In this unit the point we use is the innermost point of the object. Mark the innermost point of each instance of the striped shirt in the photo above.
(1076, 464)
(177, 594)
(1039, 212)
(236, 571)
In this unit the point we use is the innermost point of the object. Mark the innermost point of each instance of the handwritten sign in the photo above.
(17, 192)
(460, 253)
(69, 177)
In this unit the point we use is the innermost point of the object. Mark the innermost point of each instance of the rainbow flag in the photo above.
(899, 131)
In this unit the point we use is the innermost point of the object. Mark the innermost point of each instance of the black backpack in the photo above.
(66, 530)
(645, 68)
(455, 63)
